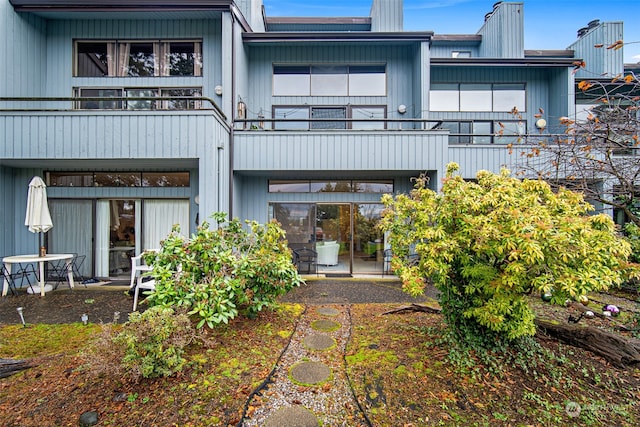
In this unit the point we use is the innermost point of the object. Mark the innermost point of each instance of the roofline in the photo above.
(333, 36)
(557, 53)
(318, 20)
(505, 62)
(117, 5)
(440, 38)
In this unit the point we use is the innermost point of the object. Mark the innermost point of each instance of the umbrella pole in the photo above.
(43, 250)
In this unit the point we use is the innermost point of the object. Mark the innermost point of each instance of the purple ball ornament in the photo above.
(614, 310)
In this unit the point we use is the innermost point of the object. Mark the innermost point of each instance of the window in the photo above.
(444, 97)
(382, 186)
(151, 58)
(118, 179)
(484, 131)
(329, 80)
(328, 113)
(138, 98)
(298, 113)
(368, 113)
(497, 97)
(461, 54)
(107, 104)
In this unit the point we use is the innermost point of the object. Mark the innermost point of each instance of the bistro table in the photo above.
(41, 260)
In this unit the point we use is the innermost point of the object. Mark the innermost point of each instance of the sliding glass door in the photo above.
(344, 235)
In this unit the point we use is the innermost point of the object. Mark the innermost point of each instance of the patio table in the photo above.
(41, 260)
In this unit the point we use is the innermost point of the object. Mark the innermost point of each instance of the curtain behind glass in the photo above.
(159, 218)
(72, 230)
(103, 221)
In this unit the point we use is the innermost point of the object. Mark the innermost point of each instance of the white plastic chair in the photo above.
(138, 268)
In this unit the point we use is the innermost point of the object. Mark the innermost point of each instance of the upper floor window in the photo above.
(138, 58)
(337, 186)
(138, 98)
(329, 80)
(497, 97)
(295, 117)
(118, 179)
(485, 131)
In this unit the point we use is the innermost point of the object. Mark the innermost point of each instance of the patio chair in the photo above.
(57, 272)
(307, 260)
(76, 264)
(8, 277)
(143, 282)
(22, 274)
(386, 262)
(138, 278)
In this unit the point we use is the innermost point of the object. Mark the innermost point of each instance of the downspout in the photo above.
(233, 113)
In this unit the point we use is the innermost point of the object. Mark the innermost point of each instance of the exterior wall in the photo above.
(341, 151)
(23, 51)
(600, 61)
(503, 32)
(401, 80)
(108, 135)
(387, 15)
(59, 47)
(445, 50)
(537, 87)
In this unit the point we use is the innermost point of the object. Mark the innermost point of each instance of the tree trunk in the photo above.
(9, 367)
(617, 350)
(414, 307)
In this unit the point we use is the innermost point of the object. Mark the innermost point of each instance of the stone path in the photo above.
(309, 386)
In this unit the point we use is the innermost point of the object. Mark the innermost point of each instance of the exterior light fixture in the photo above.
(402, 108)
(541, 123)
(84, 318)
(20, 309)
(218, 90)
(116, 316)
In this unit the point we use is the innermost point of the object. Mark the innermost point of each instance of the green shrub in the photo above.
(486, 244)
(153, 342)
(150, 344)
(221, 272)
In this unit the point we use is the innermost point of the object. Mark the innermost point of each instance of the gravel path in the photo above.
(332, 402)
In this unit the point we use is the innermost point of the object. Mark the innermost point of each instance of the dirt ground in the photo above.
(68, 305)
(100, 303)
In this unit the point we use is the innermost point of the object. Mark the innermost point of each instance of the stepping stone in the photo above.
(325, 325)
(310, 373)
(292, 416)
(328, 311)
(319, 342)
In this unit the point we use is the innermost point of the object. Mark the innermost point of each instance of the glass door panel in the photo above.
(72, 231)
(122, 240)
(333, 231)
(297, 220)
(368, 242)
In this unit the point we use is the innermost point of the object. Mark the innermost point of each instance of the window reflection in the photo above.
(118, 179)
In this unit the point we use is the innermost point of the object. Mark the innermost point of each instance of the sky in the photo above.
(548, 24)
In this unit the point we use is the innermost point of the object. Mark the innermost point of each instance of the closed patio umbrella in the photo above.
(38, 218)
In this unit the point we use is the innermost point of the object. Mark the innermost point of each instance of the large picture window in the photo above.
(496, 97)
(329, 80)
(134, 58)
(139, 98)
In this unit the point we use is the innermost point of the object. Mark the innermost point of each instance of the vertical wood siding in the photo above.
(503, 33)
(291, 151)
(23, 52)
(59, 48)
(539, 91)
(401, 80)
(600, 61)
